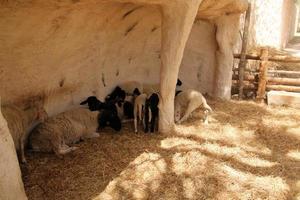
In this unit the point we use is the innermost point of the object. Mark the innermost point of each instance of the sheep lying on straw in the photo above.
(57, 133)
(20, 121)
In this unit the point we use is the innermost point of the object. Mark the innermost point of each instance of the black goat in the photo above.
(117, 94)
(93, 103)
(109, 117)
(108, 112)
(136, 92)
(151, 105)
(128, 109)
(128, 106)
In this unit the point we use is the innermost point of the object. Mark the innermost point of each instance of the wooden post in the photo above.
(278, 58)
(263, 72)
(243, 60)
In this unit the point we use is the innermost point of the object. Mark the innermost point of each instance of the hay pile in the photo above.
(246, 152)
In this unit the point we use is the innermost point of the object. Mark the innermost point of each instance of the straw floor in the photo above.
(247, 151)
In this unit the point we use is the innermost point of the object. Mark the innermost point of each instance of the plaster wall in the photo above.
(67, 51)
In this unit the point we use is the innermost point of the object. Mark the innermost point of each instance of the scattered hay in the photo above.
(248, 151)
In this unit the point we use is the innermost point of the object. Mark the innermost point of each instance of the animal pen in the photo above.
(264, 74)
(265, 71)
(65, 51)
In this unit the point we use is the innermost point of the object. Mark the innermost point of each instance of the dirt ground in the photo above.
(247, 151)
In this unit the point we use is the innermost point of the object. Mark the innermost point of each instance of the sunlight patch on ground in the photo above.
(225, 132)
(251, 186)
(190, 175)
(217, 150)
(297, 188)
(189, 163)
(294, 132)
(294, 154)
(142, 176)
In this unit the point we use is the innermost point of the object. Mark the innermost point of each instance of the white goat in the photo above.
(57, 133)
(139, 105)
(20, 121)
(191, 99)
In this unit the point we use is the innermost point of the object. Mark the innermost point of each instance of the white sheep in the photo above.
(21, 121)
(139, 105)
(191, 99)
(57, 133)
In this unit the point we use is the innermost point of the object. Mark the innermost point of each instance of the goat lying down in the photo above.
(93, 103)
(191, 99)
(58, 133)
(109, 112)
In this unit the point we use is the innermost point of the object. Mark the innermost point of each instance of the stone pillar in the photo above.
(177, 20)
(227, 34)
(11, 185)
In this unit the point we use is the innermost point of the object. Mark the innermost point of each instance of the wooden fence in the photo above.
(259, 81)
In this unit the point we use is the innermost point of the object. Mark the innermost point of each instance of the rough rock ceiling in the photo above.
(208, 9)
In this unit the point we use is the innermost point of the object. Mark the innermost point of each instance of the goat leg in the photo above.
(22, 149)
(91, 135)
(191, 107)
(64, 149)
(153, 119)
(135, 125)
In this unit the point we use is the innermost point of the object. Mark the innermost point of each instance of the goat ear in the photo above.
(119, 103)
(159, 96)
(84, 102)
(179, 83)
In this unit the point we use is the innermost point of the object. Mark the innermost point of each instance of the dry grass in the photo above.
(247, 151)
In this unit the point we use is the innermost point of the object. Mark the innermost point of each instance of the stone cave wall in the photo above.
(68, 51)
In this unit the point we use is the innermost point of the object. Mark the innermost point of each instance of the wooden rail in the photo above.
(284, 81)
(283, 88)
(284, 59)
(280, 80)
